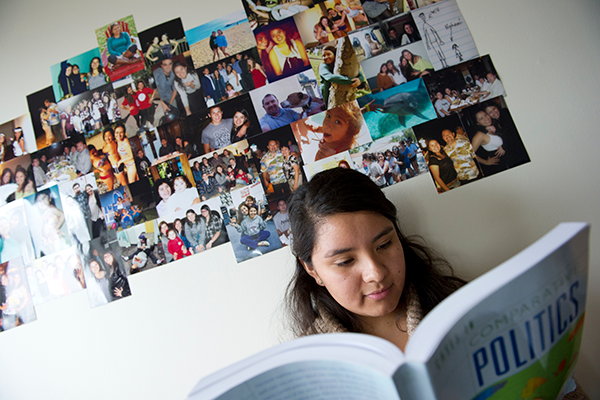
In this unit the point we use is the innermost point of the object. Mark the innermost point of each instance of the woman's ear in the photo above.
(309, 270)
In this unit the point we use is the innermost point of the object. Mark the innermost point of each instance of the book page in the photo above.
(316, 380)
(523, 339)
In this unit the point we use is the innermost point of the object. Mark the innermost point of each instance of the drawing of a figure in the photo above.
(457, 52)
(433, 40)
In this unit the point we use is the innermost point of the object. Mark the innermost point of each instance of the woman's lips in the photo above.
(379, 294)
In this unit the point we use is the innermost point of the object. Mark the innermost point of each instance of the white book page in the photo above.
(364, 350)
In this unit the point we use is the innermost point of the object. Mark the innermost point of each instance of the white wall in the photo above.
(187, 319)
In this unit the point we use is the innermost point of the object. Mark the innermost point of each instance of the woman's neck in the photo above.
(391, 327)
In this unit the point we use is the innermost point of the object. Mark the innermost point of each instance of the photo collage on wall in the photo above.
(163, 143)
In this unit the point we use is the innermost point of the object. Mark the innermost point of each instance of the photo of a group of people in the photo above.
(150, 149)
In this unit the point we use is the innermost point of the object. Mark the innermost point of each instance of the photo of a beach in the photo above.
(220, 39)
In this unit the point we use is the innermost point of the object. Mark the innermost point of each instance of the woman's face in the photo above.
(285, 151)
(328, 57)
(262, 42)
(408, 29)
(239, 119)
(94, 267)
(205, 213)
(116, 30)
(448, 91)
(164, 37)
(205, 161)
(130, 90)
(219, 169)
(191, 217)
(68, 71)
(244, 210)
(178, 225)
(390, 66)
(335, 126)
(164, 228)
(252, 212)
(359, 259)
(278, 35)
(140, 85)
(75, 69)
(324, 22)
(407, 55)
(108, 137)
(108, 258)
(197, 165)
(19, 177)
(493, 112)
(155, 40)
(120, 133)
(6, 177)
(89, 190)
(106, 99)
(483, 118)
(164, 191)
(434, 146)
(179, 185)
(403, 61)
(180, 71)
(384, 69)
(249, 201)
(229, 68)
(95, 64)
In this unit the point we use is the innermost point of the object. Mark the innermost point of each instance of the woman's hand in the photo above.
(268, 218)
(491, 129)
(208, 245)
(500, 152)
(355, 82)
(118, 292)
(492, 161)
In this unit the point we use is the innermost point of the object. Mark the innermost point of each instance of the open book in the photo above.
(513, 333)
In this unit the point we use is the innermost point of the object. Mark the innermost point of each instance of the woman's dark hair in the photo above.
(340, 190)
(7, 171)
(158, 184)
(207, 208)
(100, 70)
(177, 79)
(331, 49)
(27, 179)
(187, 219)
(96, 195)
(431, 153)
(394, 70)
(329, 22)
(381, 68)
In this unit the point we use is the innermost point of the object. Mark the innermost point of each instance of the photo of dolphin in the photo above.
(398, 108)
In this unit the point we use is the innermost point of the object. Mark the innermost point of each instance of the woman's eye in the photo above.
(344, 263)
(384, 245)
(338, 122)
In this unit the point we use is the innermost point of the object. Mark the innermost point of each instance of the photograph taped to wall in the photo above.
(445, 33)
(280, 162)
(251, 231)
(400, 30)
(286, 53)
(220, 39)
(87, 113)
(390, 160)
(15, 296)
(173, 187)
(139, 248)
(120, 48)
(16, 138)
(105, 275)
(14, 230)
(163, 41)
(464, 85)
(45, 206)
(78, 74)
(494, 136)
(368, 42)
(56, 275)
(16, 179)
(263, 12)
(398, 108)
(329, 20)
(394, 67)
(45, 118)
(338, 72)
(330, 132)
(281, 103)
